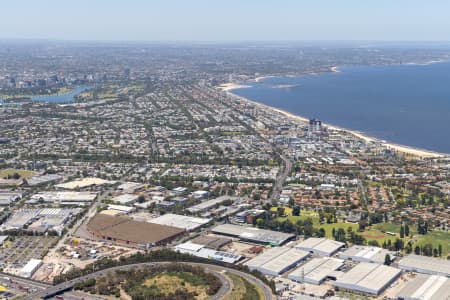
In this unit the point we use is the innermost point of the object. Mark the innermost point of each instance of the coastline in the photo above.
(392, 146)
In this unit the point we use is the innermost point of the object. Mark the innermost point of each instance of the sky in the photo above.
(226, 20)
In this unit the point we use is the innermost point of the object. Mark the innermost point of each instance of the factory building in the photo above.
(368, 278)
(186, 222)
(30, 268)
(132, 233)
(429, 287)
(254, 235)
(426, 265)
(276, 261)
(366, 254)
(316, 270)
(202, 251)
(320, 246)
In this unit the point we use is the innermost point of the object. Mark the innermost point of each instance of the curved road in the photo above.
(217, 270)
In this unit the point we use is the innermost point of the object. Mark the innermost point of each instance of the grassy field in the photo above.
(167, 283)
(304, 214)
(435, 238)
(23, 173)
(242, 289)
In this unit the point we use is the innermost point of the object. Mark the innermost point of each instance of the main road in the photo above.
(281, 178)
(215, 269)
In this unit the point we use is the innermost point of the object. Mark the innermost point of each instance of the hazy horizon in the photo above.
(231, 21)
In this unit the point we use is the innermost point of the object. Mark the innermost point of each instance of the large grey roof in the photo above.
(423, 264)
(426, 287)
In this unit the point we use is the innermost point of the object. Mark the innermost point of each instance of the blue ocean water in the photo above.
(403, 104)
(62, 98)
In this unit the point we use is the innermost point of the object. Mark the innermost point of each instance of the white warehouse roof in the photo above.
(277, 260)
(366, 254)
(180, 221)
(320, 246)
(31, 267)
(368, 278)
(316, 270)
(253, 234)
(424, 264)
(202, 251)
(429, 287)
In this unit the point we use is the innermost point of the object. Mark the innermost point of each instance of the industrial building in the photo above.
(368, 278)
(30, 268)
(84, 183)
(41, 220)
(320, 246)
(426, 265)
(132, 233)
(43, 179)
(316, 270)
(211, 242)
(125, 199)
(276, 261)
(252, 234)
(9, 197)
(202, 251)
(366, 254)
(429, 287)
(63, 198)
(130, 187)
(206, 205)
(186, 222)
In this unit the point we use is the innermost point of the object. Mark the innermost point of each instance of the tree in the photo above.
(280, 211)
(321, 232)
(440, 250)
(427, 249)
(398, 244)
(406, 230)
(141, 199)
(340, 235)
(417, 250)
(402, 232)
(387, 260)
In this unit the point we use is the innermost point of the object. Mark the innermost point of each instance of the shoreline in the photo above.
(408, 150)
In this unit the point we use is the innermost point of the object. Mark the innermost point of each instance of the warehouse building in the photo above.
(30, 268)
(368, 278)
(186, 222)
(84, 183)
(206, 205)
(429, 287)
(43, 179)
(211, 242)
(252, 234)
(316, 270)
(64, 198)
(202, 251)
(366, 254)
(276, 261)
(132, 233)
(426, 265)
(9, 197)
(125, 199)
(320, 246)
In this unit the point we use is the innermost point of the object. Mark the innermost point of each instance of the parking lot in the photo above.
(16, 253)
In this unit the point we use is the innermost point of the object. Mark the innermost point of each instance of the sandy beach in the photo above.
(395, 147)
(231, 86)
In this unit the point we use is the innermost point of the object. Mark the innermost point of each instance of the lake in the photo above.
(62, 98)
